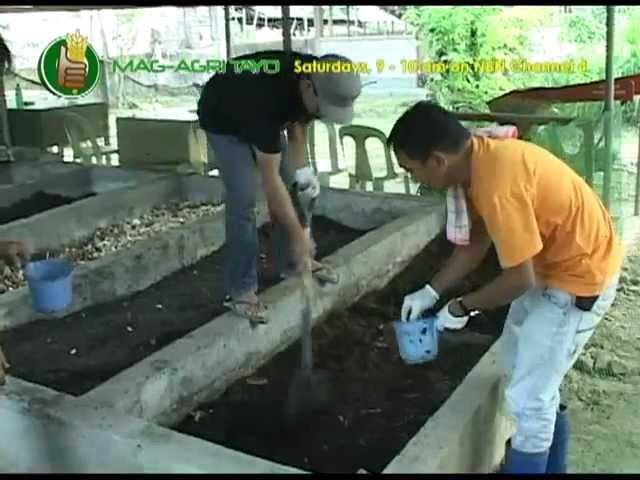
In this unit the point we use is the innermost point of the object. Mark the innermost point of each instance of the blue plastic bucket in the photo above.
(417, 340)
(50, 282)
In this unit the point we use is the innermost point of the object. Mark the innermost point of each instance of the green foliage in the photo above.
(584, 27)
(471, 34)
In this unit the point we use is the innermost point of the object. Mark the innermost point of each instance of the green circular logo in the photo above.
(69, 71)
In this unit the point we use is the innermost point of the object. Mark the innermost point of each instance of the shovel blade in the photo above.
(309, 392)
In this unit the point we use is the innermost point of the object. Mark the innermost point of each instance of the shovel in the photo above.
(310, 390)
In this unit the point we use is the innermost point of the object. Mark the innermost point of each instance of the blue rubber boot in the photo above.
(521, 462)
(559, 450)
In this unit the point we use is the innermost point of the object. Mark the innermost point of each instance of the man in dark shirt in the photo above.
(245, 116)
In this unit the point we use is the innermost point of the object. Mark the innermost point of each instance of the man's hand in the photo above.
(4, 366)
(417, 302)
(504, 289)
(14, 253)
(452, 317)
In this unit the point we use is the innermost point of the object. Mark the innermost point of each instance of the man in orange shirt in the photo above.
(560, 260)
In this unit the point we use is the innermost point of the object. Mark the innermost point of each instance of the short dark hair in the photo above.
(427, 127)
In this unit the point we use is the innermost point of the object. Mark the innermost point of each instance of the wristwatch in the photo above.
(463, 307)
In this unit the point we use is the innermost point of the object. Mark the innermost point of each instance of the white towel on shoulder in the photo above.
(458, 221)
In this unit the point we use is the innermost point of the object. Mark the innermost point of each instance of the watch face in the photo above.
(463, 307)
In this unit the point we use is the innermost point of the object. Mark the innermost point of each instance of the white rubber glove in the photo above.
(417, 302)
(447, 320)
(308, 185)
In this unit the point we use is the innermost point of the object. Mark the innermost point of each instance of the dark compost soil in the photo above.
(82, 350)
(379, 402)
(36, 203)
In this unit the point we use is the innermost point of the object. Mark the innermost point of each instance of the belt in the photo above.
(586, 303)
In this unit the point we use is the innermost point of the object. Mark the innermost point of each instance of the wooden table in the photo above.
(522, 121)
(41, 125)
(162, 139)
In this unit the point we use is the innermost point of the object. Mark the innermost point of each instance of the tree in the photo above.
(466, 36)
(396, 10)
(187, 43)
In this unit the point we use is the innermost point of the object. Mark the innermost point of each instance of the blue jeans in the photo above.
(542, 338)
(239, 173)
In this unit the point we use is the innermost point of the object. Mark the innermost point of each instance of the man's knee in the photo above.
(534, 418)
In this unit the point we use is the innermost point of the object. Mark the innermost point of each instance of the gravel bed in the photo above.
(117, 237)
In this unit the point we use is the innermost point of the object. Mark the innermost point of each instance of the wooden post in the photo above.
(212, 35)
(286, 29)
(227, 32)
(356, 23)
(331, 20)
(609, 107)
(4, 116)
(317, 28)
(106, 74)
(220, 37)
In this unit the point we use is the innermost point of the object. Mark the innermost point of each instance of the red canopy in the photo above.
(625, 89)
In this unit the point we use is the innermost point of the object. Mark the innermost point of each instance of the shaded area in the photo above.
(82, 350)
(379, 402)
(36, 203)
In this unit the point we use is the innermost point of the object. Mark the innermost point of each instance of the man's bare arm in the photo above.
(464, 259)
(297, 139)
(511, 284)
(278, 197)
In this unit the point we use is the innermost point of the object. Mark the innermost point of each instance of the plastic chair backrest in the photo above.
(333, 145)
(310, 147)
(360, 134)
(78, 130)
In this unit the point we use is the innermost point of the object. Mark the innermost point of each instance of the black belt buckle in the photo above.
(586, 303)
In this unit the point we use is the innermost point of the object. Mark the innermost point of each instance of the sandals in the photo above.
(254, 312)
(257, 312)
(322, 272)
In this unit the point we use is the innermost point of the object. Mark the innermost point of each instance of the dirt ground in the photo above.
(603, 389)
(36, 203)
(82, 350)
(378, 402)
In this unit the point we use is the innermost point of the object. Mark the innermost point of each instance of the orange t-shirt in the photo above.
(536, 207)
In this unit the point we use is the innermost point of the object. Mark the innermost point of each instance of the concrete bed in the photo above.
(121, 425)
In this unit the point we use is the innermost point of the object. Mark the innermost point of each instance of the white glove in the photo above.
(307, 181)
(417, 302)
(447, 320)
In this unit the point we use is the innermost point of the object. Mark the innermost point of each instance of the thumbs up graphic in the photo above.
(71, 73)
